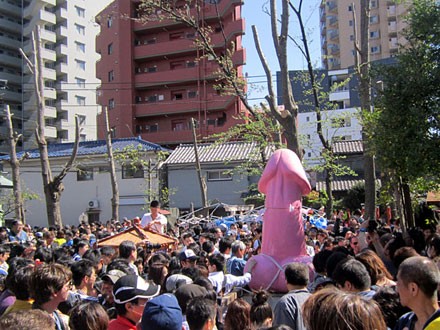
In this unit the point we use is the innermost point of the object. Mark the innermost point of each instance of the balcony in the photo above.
(339, 95)
(9, 8)
(62, 50)
(48, 54)
(9, 42)
(7, 59)
(61, 68)
(47, 35)
(10, 25)
(14, 78)
(40, 18)
(50, 112)
(50, 93)
(182, 136)
(165, 48)
(393, 44)
(211, 12)
(50, 132)
(49, 74)
(62, 14)
(332, 6)
(63, 124)
(168, 107)
(10, 96)
(36, 6)
(62, 31)
(391, 11)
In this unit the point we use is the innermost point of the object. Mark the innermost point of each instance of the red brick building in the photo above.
(153, 78)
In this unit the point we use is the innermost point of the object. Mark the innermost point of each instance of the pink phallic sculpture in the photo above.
(283, 181)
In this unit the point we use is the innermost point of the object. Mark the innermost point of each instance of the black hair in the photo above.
(354, 272)
(126, 248)
(297, 274)
(81, 269)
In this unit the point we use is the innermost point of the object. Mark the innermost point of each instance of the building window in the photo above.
(80, 47)
(113, 132)
(177, 35)
(81, 12)
(111, 75)
(151, 98)
(177, 95)
(219, 176)
(81, 65)
(110, 49)
(178, 125)
(80, 100)
(81, 83)
(109, 21)
(152, 128)
(375, 49)
(350, 8)
(81, 120)
(373, 4)
(80, 29)
(177, 65)
(132, 171)
(111, 104)
(374, 34)
(351, 37)
(84, 174)
(307, 119)
(82, 137)
(374, 19)
(192, 94)
(350, 23)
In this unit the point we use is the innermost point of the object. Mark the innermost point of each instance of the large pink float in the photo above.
(284, 182)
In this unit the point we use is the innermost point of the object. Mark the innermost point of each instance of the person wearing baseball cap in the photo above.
(131, 293)
(162, 313)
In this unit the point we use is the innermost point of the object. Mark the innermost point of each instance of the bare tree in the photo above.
(111, 160)
(288, 118)
(53, 185)
(158, 10)
(13, 137)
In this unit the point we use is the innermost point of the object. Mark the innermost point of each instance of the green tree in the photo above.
(406, 124)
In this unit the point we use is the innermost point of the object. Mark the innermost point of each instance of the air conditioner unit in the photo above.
(93, 204)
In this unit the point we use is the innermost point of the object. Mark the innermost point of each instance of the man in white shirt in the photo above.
(154, 220)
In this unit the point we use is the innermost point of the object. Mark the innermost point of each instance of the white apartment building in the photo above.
(67, 31)
(341, 124)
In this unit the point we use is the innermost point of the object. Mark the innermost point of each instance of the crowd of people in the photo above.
(364, 275)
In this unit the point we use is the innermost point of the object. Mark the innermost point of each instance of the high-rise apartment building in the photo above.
(154, 78)
(67, 33)
(338, 31)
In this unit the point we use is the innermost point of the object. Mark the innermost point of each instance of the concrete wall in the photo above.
(185, 185)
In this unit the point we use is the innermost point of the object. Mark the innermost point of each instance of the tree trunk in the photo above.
(53, 187)
(15, 168)
(328, 188)
(408, 218)
(363, 67)
(203, 187)
(111, 160)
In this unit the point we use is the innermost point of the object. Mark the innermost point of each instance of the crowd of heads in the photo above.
(365, 278)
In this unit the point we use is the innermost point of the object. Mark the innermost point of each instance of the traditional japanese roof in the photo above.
(137, 236)
(348, 147)
(215, 153)
(341, 185)
(89, 148)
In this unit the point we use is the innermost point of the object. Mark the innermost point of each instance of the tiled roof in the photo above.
(214, 153)
(341, 185)
(90, 148)
(348, 147)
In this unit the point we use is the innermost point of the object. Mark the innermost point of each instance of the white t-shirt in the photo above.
(160, 228)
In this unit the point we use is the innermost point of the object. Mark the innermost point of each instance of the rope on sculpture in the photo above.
(280, 269)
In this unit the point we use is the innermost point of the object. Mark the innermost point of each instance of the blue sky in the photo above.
(254, 15)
